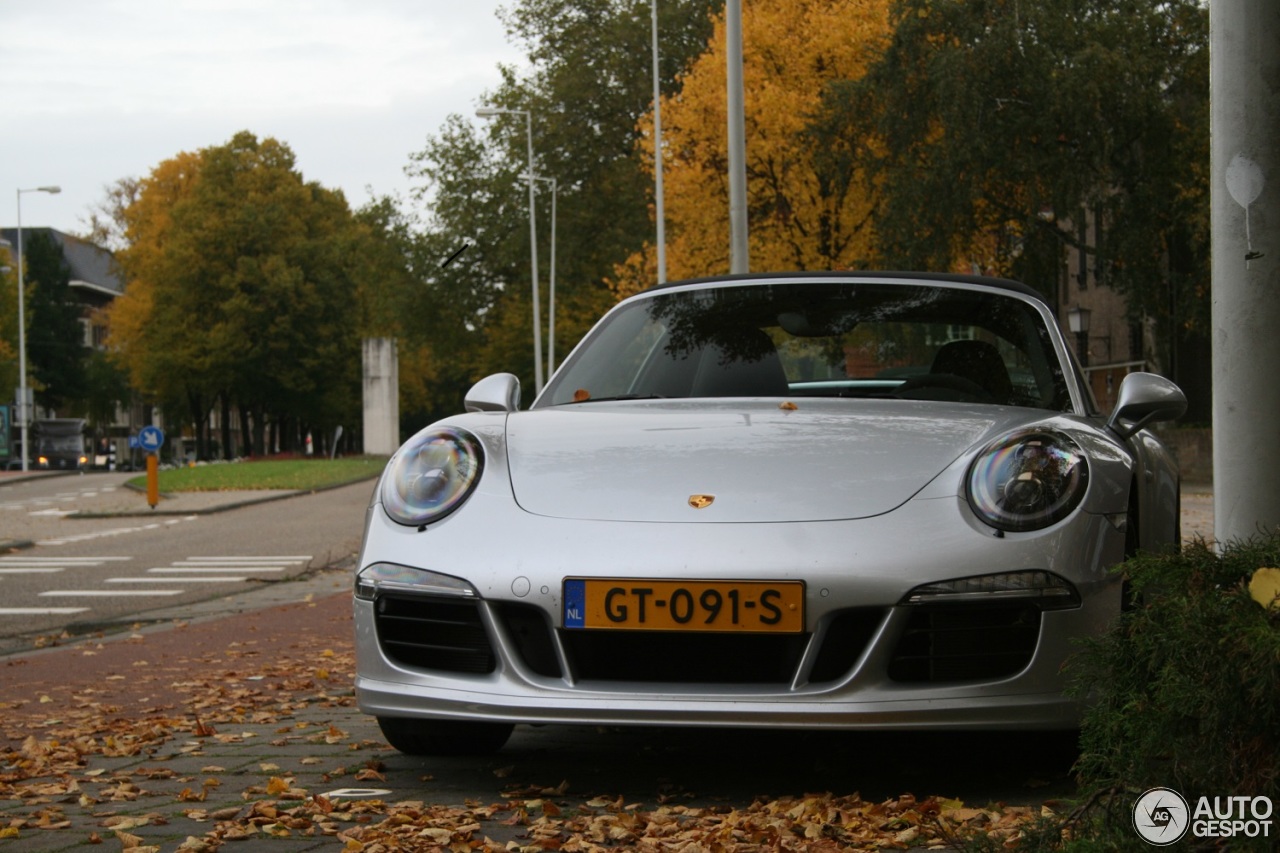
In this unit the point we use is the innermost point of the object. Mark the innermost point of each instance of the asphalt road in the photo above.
(98, 554)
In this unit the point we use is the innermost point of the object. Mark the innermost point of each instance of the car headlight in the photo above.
(1028, 480)
(432, 475)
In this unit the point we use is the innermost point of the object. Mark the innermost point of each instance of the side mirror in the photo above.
(497, 393)
(1145, 398)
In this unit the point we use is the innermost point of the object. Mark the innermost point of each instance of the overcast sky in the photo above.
(98, 90)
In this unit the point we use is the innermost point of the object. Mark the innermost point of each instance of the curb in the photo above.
(210, 510)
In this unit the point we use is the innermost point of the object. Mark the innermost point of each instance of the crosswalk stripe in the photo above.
(41, 611)
(30, 570)
(273, 558)
(176, 569)
(217, 567)
(197, 579)
(105, 593)
(92, 561)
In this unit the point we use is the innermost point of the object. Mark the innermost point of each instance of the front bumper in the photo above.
(861, 663)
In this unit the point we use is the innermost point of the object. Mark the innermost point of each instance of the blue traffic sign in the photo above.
(150, 438)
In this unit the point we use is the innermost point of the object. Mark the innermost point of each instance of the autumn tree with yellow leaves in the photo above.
(808, 206)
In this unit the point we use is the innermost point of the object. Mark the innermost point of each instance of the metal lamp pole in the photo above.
(490, 112)
(551, 308)
(660, 215)
(24, 401)
(739, 261)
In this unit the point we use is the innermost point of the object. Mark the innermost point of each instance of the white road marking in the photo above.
(61, 561)
(105, 593)
(192, 570)
(41, 611)
(50, 565)
(251, 564)
(115, 531)
(198, 579)
(176, 569)
(274, 558)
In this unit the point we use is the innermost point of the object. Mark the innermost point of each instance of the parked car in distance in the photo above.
(834, 500)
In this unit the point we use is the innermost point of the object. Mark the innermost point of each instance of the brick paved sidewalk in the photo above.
(159, 733)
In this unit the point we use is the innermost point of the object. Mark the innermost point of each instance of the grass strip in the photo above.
(268, 474)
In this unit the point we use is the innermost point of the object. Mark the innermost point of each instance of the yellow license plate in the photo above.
(670, 605)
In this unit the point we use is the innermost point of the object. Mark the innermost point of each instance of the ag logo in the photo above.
(1161, 816)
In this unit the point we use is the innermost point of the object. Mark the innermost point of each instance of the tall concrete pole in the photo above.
(1244, 41)
(533, 258)
(490, 112)
(738, 257)
(658, 201)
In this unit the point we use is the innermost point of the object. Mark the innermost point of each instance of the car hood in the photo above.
(824, 460)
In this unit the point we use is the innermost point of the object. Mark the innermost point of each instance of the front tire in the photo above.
(444, 737)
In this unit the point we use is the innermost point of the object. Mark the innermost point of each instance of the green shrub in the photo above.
(1184, 691)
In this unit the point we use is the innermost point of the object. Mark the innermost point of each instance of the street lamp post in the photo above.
(739, 260)
(490, 112)
(660, 214)
(551, 307)
(24, 395)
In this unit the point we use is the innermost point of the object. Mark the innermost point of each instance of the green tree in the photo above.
(8, 324)
(56, 352)
(589, 82)
(991, 128)
(108, 386)
(241, 293)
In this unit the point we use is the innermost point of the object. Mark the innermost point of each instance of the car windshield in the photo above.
(61, 443)
(829, 339)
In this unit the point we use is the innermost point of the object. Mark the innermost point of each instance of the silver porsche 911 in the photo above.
(842, 500)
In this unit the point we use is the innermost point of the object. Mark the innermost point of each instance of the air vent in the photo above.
(433, 633)
(966, 643)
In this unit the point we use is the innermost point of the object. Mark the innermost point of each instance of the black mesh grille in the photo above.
(690, 658)
(966, 643)
(433, 633)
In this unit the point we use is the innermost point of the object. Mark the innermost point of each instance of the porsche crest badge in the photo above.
(701, 501)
